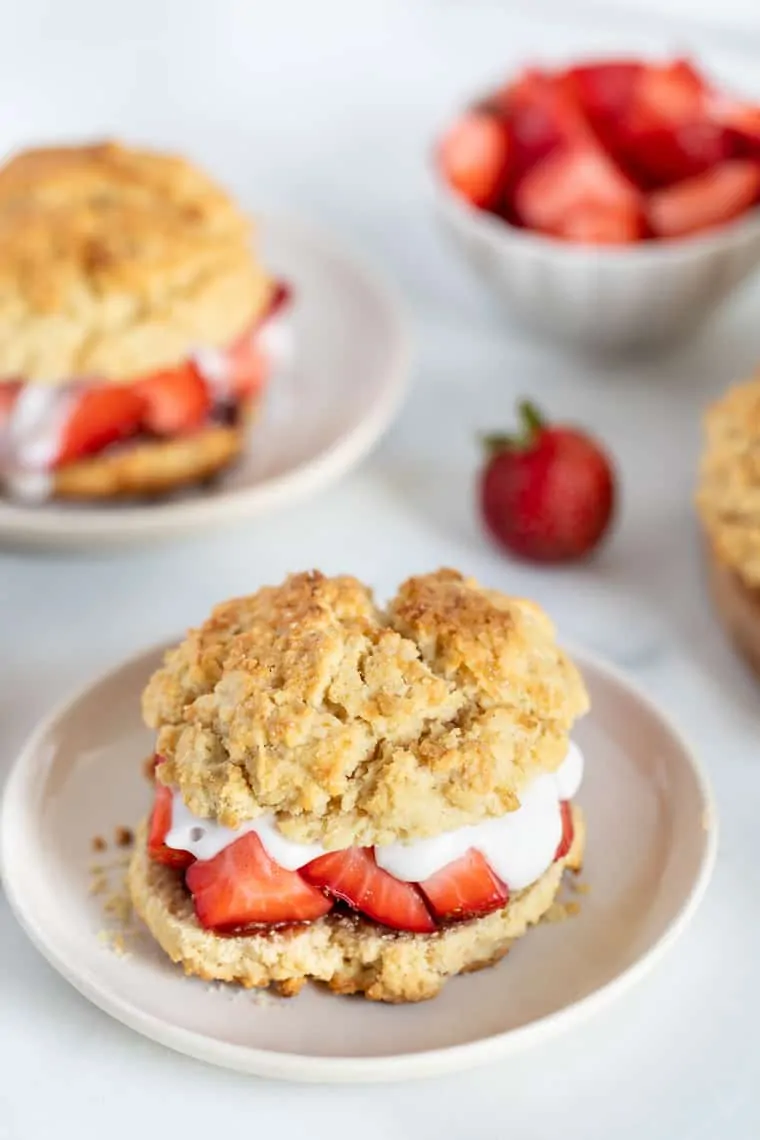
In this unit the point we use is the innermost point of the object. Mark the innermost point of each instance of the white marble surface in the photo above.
(327, 108)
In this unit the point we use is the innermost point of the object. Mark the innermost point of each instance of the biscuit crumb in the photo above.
(264, 998)
(98, 843)
(560, 911)
(578, 887)
(120, 925)
(124, 836)
(149, 768)
(118, 906)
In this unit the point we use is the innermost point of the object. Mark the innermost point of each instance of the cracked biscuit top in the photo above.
(115, 263)
(356, 725)
(728, 496)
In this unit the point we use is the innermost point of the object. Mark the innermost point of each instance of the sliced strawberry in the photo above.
(543, 113)
(672, 92)
(281, 297)
(662, 130)
(660, 155)
(174, 402)
(474, 158)
(9, 389)
(605, 88)
(465, 888)
(568, 832)
(242, 887)
(568, 181)
(741, 122)
(247, 366)
(354, 876)
(101, 415)
(160, 824)
(706, 201)
(602, 225)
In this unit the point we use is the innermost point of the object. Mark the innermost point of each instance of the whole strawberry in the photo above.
(548, 493)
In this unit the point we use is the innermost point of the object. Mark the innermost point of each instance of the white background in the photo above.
(328, 109)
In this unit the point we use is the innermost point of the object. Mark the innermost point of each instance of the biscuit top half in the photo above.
(361, 726)
(115, 263)
(728, 496)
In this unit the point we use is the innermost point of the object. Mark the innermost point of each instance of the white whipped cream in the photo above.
(273, 335)
(214, 366)
(30, 439)
(276, 339)
(519, 846)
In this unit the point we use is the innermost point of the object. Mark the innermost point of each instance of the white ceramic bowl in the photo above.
(602, 298)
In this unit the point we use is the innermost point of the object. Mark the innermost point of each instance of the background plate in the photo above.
(325, 407)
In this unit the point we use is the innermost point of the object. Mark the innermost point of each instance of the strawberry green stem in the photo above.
(530, 425)
(531, 419)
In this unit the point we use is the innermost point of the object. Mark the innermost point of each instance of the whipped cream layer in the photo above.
(31, 436)
(519, 846)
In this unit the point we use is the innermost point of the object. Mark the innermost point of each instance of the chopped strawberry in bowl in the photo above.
(611, 203)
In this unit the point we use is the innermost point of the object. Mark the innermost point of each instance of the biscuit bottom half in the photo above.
(347, 953)
(144, 468)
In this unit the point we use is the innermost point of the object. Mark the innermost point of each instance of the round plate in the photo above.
(329, 400)
(651, 848)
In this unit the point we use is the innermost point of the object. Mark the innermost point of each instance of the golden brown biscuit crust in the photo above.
(117, 262)
(728, 496)
(349, 955)
(361, 727)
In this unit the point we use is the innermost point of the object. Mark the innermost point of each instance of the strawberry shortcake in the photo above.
(131, 307)
(728, 503)
(376, 799)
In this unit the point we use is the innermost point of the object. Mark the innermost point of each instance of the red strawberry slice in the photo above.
(670, 93)
(281, 297)
(662, 130)
(248, 366)
(354, 876)
(174, 402)
(543, 113)
(569, 181)
(568, 832)
(706, 201)
(101, 416)
(243, 887)
(606, 88)
(160, 824)
(658, 156)
(474, 158)
(9, 389)
(465, 888)
(741, 122)
(602, 225)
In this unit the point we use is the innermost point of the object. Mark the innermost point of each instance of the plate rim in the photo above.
(49, 527)
(338, 1069)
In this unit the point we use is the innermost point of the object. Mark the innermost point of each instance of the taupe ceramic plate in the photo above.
(651, 847)
(330, 399)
